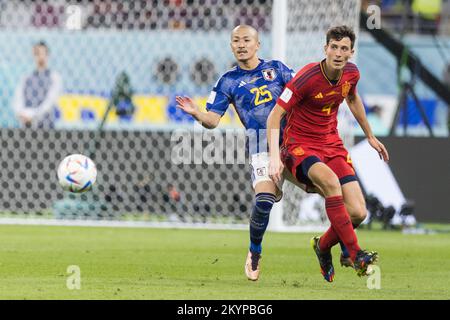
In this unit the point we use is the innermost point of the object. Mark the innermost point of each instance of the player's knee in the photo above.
(330, 185)
(358, 213)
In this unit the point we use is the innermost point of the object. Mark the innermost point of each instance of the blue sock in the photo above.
(345, 252)
(260, 219)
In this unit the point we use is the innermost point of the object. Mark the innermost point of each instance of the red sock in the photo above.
(328, 239)
(341, 225)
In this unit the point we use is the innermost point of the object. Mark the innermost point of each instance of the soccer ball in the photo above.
(77, 173)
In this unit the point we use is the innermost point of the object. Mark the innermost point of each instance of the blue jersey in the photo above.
(253, 94)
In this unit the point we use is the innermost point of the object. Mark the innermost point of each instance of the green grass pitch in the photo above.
(142, 263)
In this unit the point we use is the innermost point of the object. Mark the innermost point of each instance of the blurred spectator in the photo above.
(427, 15)
(375, 118)
(387, 6)
(257, 16)
(376, 115)
(48, 15)
(366, 3)
(122, 97)
(375, 110)
(179, 14)
(394, 7)
(417, 16)
(172, 194)
(36, 96)
(139, 14)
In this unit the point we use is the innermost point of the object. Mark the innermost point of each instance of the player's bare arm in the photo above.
(357, 108)
(273, 137)
(209, 119)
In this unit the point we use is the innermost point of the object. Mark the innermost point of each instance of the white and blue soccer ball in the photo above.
(77, 173)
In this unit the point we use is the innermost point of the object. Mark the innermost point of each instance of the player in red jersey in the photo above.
(313, 151)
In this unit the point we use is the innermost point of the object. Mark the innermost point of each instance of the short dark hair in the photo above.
(340, 32)
(41, 43)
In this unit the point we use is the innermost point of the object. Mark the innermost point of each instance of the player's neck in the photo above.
(249, 64)
(330, 72)
(41, 68)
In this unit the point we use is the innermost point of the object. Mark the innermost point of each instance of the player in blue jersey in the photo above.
(253, 87)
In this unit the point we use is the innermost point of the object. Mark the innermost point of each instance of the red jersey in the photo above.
(312, 104)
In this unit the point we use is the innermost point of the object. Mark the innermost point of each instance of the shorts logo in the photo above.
(269, 74)
(346, 89)
(261, 172)
(298, 151)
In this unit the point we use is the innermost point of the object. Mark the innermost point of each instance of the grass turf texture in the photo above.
(141, 263)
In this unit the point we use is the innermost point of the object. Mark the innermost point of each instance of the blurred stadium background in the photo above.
(135, 56)
(121, 63)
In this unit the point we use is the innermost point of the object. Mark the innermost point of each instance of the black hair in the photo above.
(41, 43)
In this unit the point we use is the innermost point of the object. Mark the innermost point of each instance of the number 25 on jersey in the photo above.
(262, 95)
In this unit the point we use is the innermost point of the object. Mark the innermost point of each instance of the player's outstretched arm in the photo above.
(209, 119)
(357, 108)
(273, 137)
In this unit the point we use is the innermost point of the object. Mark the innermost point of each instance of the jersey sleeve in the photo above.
(219, 99)
(294, 92)
(353, 89)
(288, 98)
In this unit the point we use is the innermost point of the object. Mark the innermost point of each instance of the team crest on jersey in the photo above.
(346, 89)
(269, 74)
